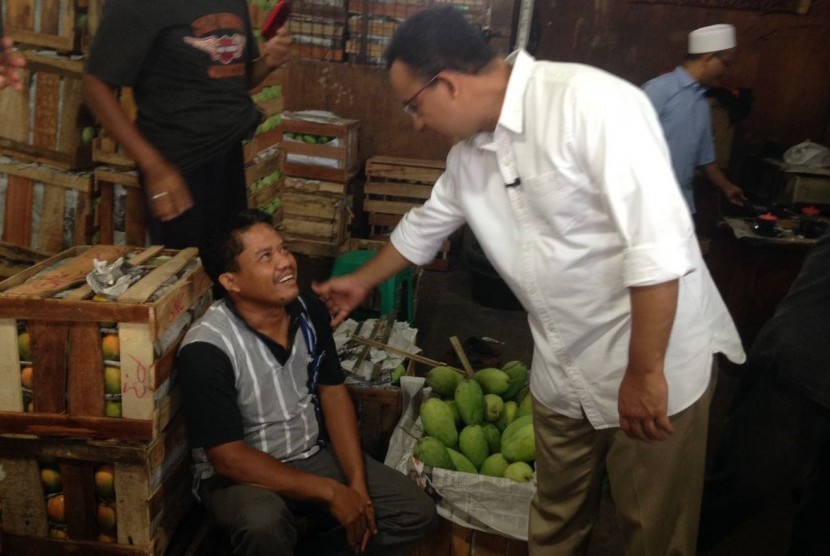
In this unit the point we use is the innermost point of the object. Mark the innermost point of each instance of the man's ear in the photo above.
(228, 281)
(451, 80)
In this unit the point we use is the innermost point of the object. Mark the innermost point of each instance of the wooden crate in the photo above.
(67, 396)
(59, 26)
(316, 216)
(452, 539)
(265, 179)
(46, 121)
(336, 160)
(394, 186)
(105, 149)
(14, 259)
(120, 215)
(268, 95)
(150, 495)
(44, 208)
(378, 411)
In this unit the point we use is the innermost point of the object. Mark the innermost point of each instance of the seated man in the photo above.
(272, 427)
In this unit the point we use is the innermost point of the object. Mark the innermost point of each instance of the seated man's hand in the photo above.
(354, 511)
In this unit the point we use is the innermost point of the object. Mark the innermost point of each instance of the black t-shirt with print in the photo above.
(186, 61)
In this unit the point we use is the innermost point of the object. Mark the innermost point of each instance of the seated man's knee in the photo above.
(269, 530)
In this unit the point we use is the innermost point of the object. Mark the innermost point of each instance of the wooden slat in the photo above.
(17, 223)
(61, 425)
(47, 101)
(11, 391)
(68, 274)
(147, 286)
(24, 507)
(135, 224)
(86, 370)
(14, 111)
(50, 233)
(77, 479)
(418, 193)
(50, 16)
(106, 207)
(323, 230)
(20, 14)
(137, 400)
(388, 207)
(48, 344)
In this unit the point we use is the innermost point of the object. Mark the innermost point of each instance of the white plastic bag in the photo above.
(808, 154)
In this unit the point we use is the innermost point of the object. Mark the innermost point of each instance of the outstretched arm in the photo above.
(733, 193)
(343, 293)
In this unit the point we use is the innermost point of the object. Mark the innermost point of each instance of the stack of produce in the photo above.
(480, 423)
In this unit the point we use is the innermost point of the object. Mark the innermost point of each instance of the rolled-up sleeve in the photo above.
(422, 230)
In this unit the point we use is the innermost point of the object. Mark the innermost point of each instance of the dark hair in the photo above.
(223, 246)
(437, 39)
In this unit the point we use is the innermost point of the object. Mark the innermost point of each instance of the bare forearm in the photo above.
(244, 465)
(714, 174)
(100, 98)
(652, 315)
(343, 432)
(386, 264)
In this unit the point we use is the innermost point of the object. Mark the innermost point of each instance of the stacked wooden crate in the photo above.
(317, 27)
(91, 440)
(373, 22)
(394, 185)
(321, 163)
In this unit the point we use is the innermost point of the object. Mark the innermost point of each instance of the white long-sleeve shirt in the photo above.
(591, 218)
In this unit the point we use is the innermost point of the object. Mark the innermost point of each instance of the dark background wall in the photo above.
(783, 58)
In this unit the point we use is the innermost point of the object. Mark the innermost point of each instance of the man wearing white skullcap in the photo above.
(685, 114)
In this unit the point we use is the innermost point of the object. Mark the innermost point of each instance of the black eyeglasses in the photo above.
(407, 106)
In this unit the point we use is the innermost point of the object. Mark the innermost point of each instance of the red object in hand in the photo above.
(275, 20)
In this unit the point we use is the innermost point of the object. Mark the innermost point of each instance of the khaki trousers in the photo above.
(656, 486)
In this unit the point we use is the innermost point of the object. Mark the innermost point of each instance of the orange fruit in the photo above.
(104, 485)
(51, 480)
(55, 508)
(27, 376)
(106, 517)
(111, 347)
(107, 537)
(57, 533)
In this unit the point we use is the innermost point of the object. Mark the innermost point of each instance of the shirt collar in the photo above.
(511, 117)
(686, 80)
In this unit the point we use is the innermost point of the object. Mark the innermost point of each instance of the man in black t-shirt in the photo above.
(271, 424)
(191, 64)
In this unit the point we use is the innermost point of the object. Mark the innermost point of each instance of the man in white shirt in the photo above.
(560, 170)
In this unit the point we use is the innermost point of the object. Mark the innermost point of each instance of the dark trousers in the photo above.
(218, 189)
(770, 437)
(260, 522)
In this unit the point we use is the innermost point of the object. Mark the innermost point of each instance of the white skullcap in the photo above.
(713, 38)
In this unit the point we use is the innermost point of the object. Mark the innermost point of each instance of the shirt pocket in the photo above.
(555, 203)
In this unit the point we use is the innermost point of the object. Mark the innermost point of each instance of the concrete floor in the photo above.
(445, 307)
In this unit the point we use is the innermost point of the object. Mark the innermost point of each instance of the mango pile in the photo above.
(479, 424)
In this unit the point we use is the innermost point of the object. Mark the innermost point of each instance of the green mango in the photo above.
(493, 406)
(433, 453)
(492, 380)
(525, 406)
(455, 414)
(520, 395)
(439, 422)
(517, 440)
(473, 444)
(443, 380)
(517, 374)
(461, 462)
(470, 401)
(494, 465)
(493, 436)
(508, 414)
(518, 471)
